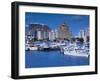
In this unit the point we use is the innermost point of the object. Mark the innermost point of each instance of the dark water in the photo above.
(52, 59)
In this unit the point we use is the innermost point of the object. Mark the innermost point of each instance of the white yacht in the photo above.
(75, 50)
(29, 47)
(43, 46)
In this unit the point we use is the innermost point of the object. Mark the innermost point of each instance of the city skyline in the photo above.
(75, 22)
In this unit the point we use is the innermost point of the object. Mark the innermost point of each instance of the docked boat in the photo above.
(44, 46)
(75, 51)
(30, 47)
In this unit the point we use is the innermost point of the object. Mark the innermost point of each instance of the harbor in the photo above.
(65, 47)
(48, 54)
(47, 47)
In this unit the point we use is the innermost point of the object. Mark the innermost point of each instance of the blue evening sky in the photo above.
(75, 22)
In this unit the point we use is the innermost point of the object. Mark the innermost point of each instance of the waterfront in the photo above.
(34, 59)
(56, 42)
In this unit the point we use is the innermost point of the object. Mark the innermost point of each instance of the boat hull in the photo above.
(31, 48)
(76, 54)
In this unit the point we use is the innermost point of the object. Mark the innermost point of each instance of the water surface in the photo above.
(35, 59)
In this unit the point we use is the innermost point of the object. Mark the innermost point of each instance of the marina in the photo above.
(46, 46)
(52, 54)
(65, 48)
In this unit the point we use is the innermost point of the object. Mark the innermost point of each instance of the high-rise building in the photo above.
(39, 35)
(39, 31)
(56, 34)
(84, 34)
(64, 32)
(87, 35)
(52, 35)
(45, 35)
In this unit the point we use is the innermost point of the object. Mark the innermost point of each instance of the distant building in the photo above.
(87, 35)
(38, 31)
(64, 32)
(45, 35)
(52, 35)
(56, 34)
(39, 35)
(84, 34)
